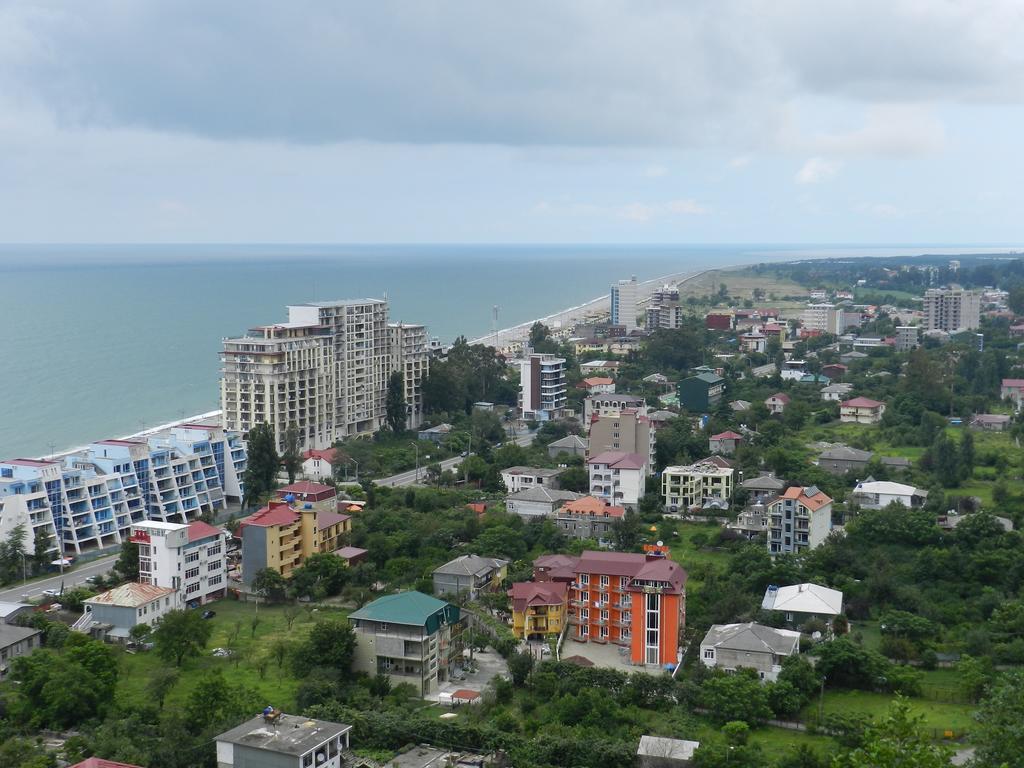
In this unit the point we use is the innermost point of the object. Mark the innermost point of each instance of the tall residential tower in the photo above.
(624, 303)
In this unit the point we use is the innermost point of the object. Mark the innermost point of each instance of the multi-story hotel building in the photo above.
(542, 387)
(190, 558)
(633, 600)
(538, 609)
(91, 498)
(304, 521)
(624, 303)
(798, 520)
(951, 309)
(410, 356)
(324, 371)
(280, 375)
(629, 431)
(694, 484)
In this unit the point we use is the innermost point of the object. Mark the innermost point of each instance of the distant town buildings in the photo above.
(624, 303)
(664, 309)
(951, 309)
(410, 356)
(906, 337)
(542, 387)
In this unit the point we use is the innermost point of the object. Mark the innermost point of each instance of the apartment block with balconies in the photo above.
(799, 519)
(410, 356)
(542, 387)
(618, 478)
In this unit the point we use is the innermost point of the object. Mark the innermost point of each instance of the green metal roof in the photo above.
(406, 608)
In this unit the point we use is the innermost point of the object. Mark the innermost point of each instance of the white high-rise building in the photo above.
(951, 309)
(280, 375)
(825, 318)
(410, 356)
(190, 558)
(664, 309)
(624, 303)
(542, 387)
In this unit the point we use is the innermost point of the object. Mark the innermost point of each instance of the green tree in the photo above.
(320, 575)
(740, 696)
(999, 731)
(520, 666)
(13, 563)
(395, 405)
(41, 557)
(897, 741)
(627, 532)
(127, 564)
(139, 632)
(269, 585)
(967, 456)
(331, 643)
(291, 455)
(262, 464)
(181, 634)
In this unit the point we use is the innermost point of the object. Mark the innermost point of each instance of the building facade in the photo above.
(191, 558)
(695, 484)
(470, 575)
(951, 309)
(542, 387)
(748, 646)
(798, 520)
(90, 499)
(523, 478)
(111, 615)
(588, 518)
(624, 300)
(861, 410)
(823, 318)
(538, 609)
(409, 637)
(906, 337)
(632, 600)
(410, 356)
(617, 478)
(701, 393)
(277, 740)
(629, 431)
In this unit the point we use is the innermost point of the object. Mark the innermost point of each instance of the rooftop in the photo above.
(670, 749)
(811, 497)
(275, 513)
(862, 402)
(525, 594)
(131, 595)
(591, 505)
(727, 436)
(886, 487)
(752, 638)
(471, 565)
(291, 735)
(11, 634)
(845, 453)
(803, 598)
(543, 493)
(403, 608)
(200, 530)
(534, 471)
(99, 762)
(619, 460)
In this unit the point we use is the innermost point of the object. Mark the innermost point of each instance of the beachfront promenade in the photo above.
(590, 311)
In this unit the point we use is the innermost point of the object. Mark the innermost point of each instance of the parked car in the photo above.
(209, 614)
(51, 593)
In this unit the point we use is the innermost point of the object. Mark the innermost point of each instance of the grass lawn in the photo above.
(871, 635)
(686, 553)
(938, 716)
(777, 742)
(277, 685)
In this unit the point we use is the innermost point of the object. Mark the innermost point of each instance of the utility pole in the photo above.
(416, 478)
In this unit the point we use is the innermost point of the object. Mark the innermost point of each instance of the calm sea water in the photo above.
(101, 341)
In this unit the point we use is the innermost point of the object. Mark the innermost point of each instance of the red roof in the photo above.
(29, 462)
(1011, 383)
(465, 694)
(275, 513)
(529, 593)
(307, 491)
(619, 460)
(200, 530)
(813, 503)
(591, 505)
(349, 553)
(327, 454)
(862, 402)
(99, 762)
(598, 381)
(327, 519)
(780, 396)
(635, 566)
(477, 506)
(555, 566)
(727, 436)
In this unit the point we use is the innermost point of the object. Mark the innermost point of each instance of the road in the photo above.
(70, 579)
(409, 477)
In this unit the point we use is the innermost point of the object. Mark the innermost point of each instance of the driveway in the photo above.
(488, 665)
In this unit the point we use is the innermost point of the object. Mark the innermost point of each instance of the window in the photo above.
(604, 581)
(789, 617)
(709, 653)
(191, 588)
(213, 566)
(215, 550)
(584, 596)
(215, 580)
(584, 578)
(192, 573)
(584, 614)
(192, 557)
(623, 582)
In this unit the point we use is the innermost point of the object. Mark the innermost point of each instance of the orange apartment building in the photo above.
(632, 600)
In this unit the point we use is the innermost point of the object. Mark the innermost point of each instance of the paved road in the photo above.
(409, 478)
(70, 579)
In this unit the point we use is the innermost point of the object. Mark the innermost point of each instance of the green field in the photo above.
(937, 716)
(276, 685)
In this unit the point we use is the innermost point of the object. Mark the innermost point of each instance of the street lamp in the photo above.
(416, 479)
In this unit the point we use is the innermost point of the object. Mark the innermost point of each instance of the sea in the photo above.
(104, 341)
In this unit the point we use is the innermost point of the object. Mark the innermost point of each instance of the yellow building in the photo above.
(285, 532)
(538, 608)
(696, 484)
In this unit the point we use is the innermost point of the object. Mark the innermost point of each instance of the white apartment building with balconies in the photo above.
(951, 309)
(190, 558)
(798, 520)
(410, 356)
(542, 387)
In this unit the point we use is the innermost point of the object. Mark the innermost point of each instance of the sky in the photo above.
(576, 121)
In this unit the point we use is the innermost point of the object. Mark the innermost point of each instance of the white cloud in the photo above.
(740, 161)
(817, 170)
(882, 210)
(655, 171)
(889, 129)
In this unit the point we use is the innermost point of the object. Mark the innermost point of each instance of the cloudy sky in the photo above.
(546, 121)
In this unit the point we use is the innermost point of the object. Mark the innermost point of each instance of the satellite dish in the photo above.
(661, 543)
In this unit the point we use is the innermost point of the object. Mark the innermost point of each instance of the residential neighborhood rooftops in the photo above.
(199, 530)
(556, 566)
(609, 397)
(10, 634)
(99, 762)
(636, 566)
(349, 552)
(619, 460)
(812, 497)
(328, 518)
(598, 381)
(275, 513)
(901, 462)
(888, 488)
(782, 397)
(803, 598)
(326, 454)
(131, 595)
(570, 443)
(308, 491)
(727, 436)
(764, 483)
(751, 637)
(471, 565)
(291, 734)
(403, 608)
